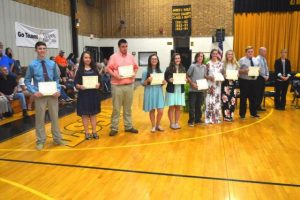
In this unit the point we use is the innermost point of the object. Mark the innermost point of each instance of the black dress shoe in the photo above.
(255, 116)
(132, 130)
(113, 133)
(25, 114)
(261, 109)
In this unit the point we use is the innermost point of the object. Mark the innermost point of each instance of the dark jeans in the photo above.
(248, 90)
(280, 93)
(260, 91)
(70, 85)
(63, 71)
(63, 94)
(195, 103)
(106, 83)
(22, 99)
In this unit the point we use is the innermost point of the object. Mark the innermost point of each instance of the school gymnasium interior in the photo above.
(246, 159)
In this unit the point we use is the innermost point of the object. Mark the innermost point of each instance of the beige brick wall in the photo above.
(143, 18)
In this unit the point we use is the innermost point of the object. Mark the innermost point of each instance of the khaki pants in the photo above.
(122, 95)
(41, 104)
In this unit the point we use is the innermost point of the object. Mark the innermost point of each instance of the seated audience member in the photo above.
(4, 106)
(57, 68)
(105, 75)
(8, 88)
(63, 96)
(5, 61)
(16, 66)
(70, 87)
(23, 89)
(71, 60)
(62, 63)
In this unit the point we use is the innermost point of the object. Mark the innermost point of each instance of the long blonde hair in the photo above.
(233, 62)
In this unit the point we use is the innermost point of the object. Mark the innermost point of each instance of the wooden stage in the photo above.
(246, 159)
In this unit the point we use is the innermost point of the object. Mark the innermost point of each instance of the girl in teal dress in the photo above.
(153, 94)
(175, 93)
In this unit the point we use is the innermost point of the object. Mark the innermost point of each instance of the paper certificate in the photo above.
(179, 78)
(126, 71)
(218, 76)
(253, 71)
(232, 74)
(157, 78)
(89, 82)
(202, 84)
(47, 88)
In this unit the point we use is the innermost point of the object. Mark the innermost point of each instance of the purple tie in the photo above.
(45, 73)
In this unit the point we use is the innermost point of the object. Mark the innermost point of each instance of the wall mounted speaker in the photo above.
(90, 2)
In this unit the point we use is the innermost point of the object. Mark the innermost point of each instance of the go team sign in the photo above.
(27, 36)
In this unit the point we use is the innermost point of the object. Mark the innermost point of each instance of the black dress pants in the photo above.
(248, 90)
(280, 93)
(260, 91)
(195, 103)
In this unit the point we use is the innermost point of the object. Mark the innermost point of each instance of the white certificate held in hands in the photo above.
(232, 74)
(47, 88)
(89, 82)
(202, 84)
(218, 76)
(253, 71)
(179, 78)
(157, 78)
(126, 71)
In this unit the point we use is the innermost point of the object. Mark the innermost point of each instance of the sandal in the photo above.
(95, 136)
(88, 136)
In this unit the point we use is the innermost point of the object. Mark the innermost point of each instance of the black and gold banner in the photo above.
(252, 6)
(181, 20)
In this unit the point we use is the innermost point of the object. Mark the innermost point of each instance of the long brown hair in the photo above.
(92, 65)
(149, 68)
(172, 65)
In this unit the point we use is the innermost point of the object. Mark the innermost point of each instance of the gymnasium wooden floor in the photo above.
(246, 159)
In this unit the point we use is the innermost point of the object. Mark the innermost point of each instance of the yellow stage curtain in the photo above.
(273, 30)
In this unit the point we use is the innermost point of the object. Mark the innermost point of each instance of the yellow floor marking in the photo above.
(28, 189)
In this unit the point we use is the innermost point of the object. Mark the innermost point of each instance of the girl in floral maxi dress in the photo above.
(229, 87)
(213, 96)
